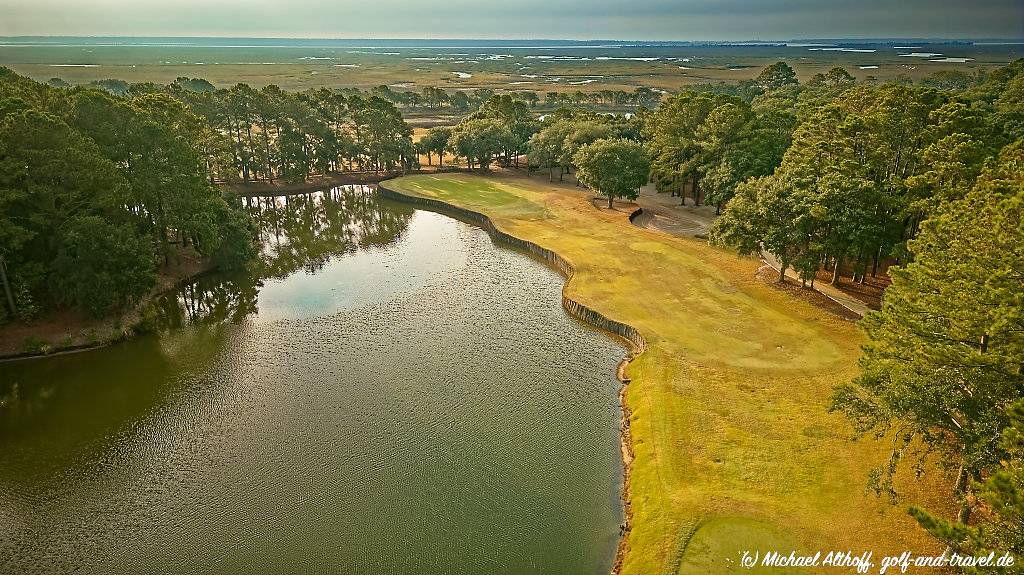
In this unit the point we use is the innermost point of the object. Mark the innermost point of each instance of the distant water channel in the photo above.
(388, 392)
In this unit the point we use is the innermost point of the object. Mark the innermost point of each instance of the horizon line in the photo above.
(529, 39)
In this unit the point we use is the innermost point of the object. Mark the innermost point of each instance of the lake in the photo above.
(387, 391)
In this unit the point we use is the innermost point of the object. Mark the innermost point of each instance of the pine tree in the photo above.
(946, 352)
(999, 529)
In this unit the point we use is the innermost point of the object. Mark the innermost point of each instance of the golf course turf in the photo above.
(734, 447)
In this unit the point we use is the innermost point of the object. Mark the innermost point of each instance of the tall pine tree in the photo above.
(946, 353)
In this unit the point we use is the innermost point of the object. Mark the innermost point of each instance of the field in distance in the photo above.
(537, 65)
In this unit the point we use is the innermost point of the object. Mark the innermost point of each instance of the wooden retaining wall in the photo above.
(575, 309)
(637, 342)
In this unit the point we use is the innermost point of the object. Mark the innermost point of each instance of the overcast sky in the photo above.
(560, 19)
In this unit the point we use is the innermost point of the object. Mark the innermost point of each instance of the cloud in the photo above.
(637, 19)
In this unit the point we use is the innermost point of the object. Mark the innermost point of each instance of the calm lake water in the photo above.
(388, 393)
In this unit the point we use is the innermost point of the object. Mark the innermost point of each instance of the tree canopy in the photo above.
(776, 76)
(98, 191)
(708, 143)
(867, 164)
(946, 353)
(616, 168)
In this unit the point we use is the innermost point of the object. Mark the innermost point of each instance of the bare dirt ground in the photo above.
(770, 276)
(869, 292)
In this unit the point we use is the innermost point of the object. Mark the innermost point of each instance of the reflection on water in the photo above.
(385, 392)
(298, 232)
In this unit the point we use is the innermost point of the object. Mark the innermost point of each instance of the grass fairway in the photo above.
(735, 449)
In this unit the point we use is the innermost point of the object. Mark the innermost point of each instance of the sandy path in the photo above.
(665, 212)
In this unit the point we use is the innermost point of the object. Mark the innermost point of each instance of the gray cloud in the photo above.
(636, 19)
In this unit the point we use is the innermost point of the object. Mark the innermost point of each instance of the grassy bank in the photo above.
(734, 447)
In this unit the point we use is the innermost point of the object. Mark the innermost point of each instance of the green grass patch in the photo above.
(467, 188)
(718, 547)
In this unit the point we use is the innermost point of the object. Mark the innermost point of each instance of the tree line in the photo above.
(928, 176)
(641, 97)
(439, 99)
(97, 192)
(270, 134)
(460, 101)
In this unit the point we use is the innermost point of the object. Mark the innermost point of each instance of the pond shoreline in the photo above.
(101, 332)
(267, 189)
(41, 338)
(262, 189)
(636, 342)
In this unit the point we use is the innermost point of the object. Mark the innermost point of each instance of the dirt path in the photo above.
(665, 212)
(849, 302)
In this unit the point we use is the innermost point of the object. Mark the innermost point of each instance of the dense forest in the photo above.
(98, 192)
(864, 167)
(102, 188)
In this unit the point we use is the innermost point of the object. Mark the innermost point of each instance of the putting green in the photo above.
(718, 546)
(734, 447)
